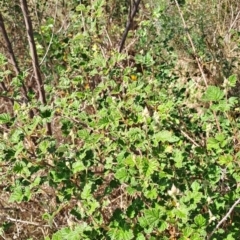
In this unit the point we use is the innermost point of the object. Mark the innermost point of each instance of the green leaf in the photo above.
(17, 136)
(187, 231)
(27, 193)
(152, 216)
(78, 166)
(122, 175)
(225, 159)
(151, 194)
(80, 8)
(43, 146)
(195, 186)
(181, 213)
(165, 136)
(17, 195)
(178, 158)
(5, 118)
(140, 236)
(230, 237)
(147, 167)
(232, 80)
(212, 143)
(163, 226)
(73, 234)
(200, 221)
(213, 93)
(220, 137)
(62, 148)
(120, 234)
(86, 193)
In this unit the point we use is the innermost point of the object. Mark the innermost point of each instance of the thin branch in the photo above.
(232, 24)
(132, 14)
(12, 59)
(51, 40)
(192, 45)
(224, 218)
(189, 138)
(35, 62)
(25, 222)
(33, 51)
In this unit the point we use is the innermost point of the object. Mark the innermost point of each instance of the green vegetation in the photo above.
(99, 142)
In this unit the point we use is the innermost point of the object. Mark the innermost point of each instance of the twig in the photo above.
(224, 218)
(25, 222)
(189, 138)
(232, 24)
(51, 40)
(192, 45)
(35, 62)
(109, 39)
(12, 56)
(132, 14)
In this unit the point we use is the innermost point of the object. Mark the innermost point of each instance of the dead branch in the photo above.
(224, 218)
(35, 62)
(12, 59)
(132, 13)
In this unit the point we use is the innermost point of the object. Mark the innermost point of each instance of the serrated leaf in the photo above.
(36, 181)
(220, 137)
(140, 236)
(143, 222)
(130, 161)
(163, 226)
(151, 194)
(181, 213)
(200, 221)
(62, 148)
(120, 234)
(122, 175)
(165, 136)
(195, 186)
(148, 166)
(152, 216)
(17, 136)
(225, 159)
(232, 80)
(78, 166)
(153, 165)
(86, 193)
(83, 134)
(5, 118)
(17, 195)
(187, 231)
(212, 143)
(43, 146)
(213, 93)
(178, 158)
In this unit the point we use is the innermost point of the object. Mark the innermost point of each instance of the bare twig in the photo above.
(189, 138)
(34, 56)
(12, 59)
(132, 14)
(192, 45)
(232, 24)
(25, 222)
(51, 40)
(224, 219)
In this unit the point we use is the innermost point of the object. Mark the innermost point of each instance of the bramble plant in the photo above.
(134, 143)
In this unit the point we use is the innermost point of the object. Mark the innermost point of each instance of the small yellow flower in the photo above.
(86, 86)
(133, 77)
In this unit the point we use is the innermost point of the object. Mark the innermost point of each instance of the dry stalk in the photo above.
(192, 45)
(223, 219)
(35, 62)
